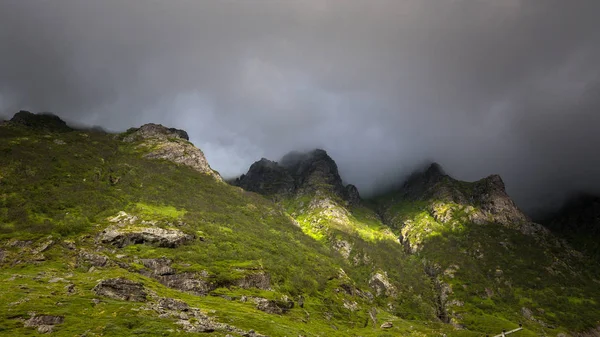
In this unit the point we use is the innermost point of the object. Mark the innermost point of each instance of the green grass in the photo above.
(66, 191)
(64, 187)
(536, 272)
(162, 211)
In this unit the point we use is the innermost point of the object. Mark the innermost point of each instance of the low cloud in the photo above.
(509, 87)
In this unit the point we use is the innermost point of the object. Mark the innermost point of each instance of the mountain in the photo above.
(488, 265)
(578, 221)
(135, 234)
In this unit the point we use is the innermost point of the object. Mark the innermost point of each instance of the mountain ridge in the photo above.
(116, 228)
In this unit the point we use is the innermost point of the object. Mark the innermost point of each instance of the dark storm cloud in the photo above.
(481, 86)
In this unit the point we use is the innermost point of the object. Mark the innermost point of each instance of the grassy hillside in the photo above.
(99, 236)
(495, 274)
(60, 190)
(454, 252)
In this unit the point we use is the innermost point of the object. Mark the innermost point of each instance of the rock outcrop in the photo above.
(273, 306)
(267, 178)
(193, 320)
(170, 144)
(487, 197)
(195, 283)
(297, 174)
(121, 237)
(40, 121)
(154, 131)
(44, 323)
(382, 285)
(259, 280)
(93, 259)
(192, 282)
(121, 289)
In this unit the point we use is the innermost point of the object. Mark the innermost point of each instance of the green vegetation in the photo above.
(498, 276)
(416, 264)
(63, 187)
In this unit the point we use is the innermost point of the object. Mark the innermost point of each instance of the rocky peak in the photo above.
(487, 195)
(490, 195)
(297, 172)
(494, 183)
(267, 177)
(40, 121)
(435, 170)
(152, 130)
(317, 169)
(420, 184)
(170, 144)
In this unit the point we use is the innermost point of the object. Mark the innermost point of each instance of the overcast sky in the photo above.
(480, 86)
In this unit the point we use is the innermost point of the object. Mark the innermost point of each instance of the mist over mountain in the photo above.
(507, 87)
(135, 233)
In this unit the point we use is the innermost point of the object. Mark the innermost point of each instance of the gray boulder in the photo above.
(169, 238)
(44, 323)
(121, 289)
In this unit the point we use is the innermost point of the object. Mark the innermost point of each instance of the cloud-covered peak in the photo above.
(481, 86)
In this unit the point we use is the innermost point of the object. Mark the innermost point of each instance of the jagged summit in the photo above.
(487, 196)
(297, 172)
(267, 177)
(419, 183)
(45, 121)
(435, 169)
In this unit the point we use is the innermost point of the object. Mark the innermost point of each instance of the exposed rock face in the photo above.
(268, 178)
(259, 280)
(121, 289)
(44, 323)
(315, 170)
(121, 237)
(152, 130)
(353, 195)
(419, 185)
(272, 306)
(41, 121)
(172, 145)
(491, 194)
(297, 173)
(95, 260)
(387, 325)
(192, 320)
(159, 267)
(161, 270)
(343, 247)
(173, 304)
(382, 285)
(194, 283)
(487, 196)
